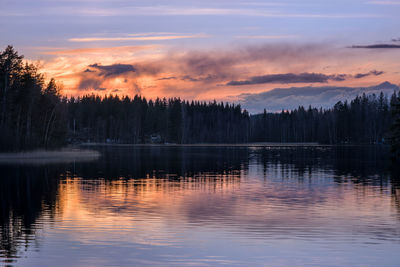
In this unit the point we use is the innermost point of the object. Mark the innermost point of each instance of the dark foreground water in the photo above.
(204, 206)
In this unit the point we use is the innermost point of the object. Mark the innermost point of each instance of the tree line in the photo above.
(365, 119)
(34, 114)
(135, 120)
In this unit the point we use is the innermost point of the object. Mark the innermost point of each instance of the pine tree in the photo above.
(395, 128)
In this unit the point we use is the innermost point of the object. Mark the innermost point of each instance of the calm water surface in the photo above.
(204, 206)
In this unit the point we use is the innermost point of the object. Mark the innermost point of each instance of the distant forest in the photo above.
(34, 114)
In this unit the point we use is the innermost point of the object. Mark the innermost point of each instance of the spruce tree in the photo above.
(395, 128)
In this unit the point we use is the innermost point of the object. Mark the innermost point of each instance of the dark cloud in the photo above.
(96, 76)
(290, 98)
(189, 78)
(210, 68)
(213, 67)
(376, 72)
(372, 72)
(361, 75)
(301, 78)
(290, 78)
(112, 70)
(396, 40)
(89, 70)
(376, 46)
(166, 78)
(337, 77)
(209, 77)
(228, 64)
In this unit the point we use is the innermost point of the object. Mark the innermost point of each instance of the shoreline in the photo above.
(41, 156)
(86, 152)
(205, 145)
(311, 144)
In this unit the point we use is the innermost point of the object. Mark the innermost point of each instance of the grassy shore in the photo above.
(45, 157)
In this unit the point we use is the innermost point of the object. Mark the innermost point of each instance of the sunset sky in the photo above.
(225, 50)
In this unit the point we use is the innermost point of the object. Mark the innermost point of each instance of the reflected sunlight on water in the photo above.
(203, 206)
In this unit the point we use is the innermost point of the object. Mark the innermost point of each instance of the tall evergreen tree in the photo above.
(26, 105)
(395, 128)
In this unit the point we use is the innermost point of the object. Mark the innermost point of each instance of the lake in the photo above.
(204, 206)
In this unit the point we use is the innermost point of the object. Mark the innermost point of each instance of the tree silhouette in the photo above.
(395, 129)
(34, 114)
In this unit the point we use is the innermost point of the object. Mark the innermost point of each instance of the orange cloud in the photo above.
(159, 71)
(100, 50)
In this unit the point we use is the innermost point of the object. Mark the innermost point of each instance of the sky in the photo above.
(234, 50)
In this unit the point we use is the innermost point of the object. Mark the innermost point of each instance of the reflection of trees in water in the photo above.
(160, 162)
(395, 180)
(361, 165)
(24, 193)
(365, 165)
(27, 192)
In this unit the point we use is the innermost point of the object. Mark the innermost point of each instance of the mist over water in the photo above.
(204, 206)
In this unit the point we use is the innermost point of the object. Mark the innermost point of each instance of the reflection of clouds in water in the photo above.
(239, 205)
(149, 205)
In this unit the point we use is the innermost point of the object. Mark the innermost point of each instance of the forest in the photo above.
(34, 114)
